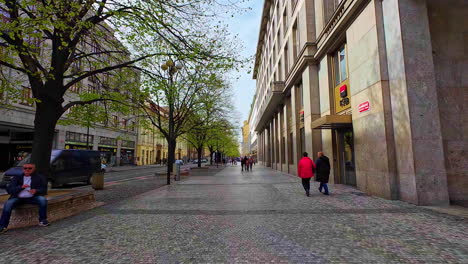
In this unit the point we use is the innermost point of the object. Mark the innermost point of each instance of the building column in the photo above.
(313, 138)
(417, 131)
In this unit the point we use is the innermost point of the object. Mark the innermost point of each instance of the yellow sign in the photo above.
(342, 96)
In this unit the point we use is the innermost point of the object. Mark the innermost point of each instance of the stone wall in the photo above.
(449, 35)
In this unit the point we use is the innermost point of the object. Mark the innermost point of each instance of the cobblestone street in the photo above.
(244, 217)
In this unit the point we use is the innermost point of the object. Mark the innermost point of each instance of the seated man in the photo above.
(29, 188)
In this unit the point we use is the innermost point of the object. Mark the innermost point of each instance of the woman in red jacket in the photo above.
(305, 170)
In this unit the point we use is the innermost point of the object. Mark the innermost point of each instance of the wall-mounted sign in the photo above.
(342, 97)
(364, 106)
(301, 116)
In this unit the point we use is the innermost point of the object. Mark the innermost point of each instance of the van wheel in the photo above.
(51, 185)
(88, 181)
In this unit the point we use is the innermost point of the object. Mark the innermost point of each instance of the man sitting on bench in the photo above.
(30, 188)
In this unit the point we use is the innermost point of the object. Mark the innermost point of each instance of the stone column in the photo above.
(417, 131)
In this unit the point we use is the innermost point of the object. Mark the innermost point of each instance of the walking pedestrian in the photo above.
(305, 170)
(242, 164)
(246, 163)
(251, 163)
(323, 171)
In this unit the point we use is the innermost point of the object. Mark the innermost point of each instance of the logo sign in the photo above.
(363, 106)
(343, 91)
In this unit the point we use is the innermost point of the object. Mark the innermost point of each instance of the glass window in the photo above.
(343, 72)
(340, 67)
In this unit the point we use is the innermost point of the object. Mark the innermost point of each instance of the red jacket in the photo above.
(305, 168)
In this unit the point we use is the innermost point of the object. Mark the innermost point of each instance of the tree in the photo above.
(55, 45)
(208, 120)
(176, 99)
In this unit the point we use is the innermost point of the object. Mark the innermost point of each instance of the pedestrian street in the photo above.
(258, 216)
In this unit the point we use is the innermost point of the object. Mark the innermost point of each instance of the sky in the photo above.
(247, 26)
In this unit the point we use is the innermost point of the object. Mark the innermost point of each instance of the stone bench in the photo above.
(61, 204)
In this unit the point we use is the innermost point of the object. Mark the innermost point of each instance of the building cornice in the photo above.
(261, 35)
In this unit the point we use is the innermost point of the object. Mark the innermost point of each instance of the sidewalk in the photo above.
(246, 217)
(132, 167)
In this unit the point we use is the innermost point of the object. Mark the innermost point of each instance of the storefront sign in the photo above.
(364, 106)
(342, 98)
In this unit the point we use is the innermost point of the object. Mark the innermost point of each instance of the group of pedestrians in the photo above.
(321, 167)
(247, 163)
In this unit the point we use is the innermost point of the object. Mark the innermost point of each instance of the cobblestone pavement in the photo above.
(251, 217)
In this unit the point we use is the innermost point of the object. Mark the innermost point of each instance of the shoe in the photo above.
(320, 190)
(307, 193)
(326, 193)
(44, 223)
(3, 230)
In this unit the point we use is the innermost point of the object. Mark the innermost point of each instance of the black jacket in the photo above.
(323, 169)
(38, 182)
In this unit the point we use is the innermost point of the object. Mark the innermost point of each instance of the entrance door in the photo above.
(346, 156)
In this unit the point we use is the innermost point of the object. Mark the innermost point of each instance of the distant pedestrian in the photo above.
(251, 161)
(242, 164)
(246, 163)
(305, 170)
(26, 188)
(323, 171)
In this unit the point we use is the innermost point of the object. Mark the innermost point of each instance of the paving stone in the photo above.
(261, 216)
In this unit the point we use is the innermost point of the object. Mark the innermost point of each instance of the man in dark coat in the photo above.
(323, 171)
(30, 188)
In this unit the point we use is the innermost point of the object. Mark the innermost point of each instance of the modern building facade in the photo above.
(378, 85)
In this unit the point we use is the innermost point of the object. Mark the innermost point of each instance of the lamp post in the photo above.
(171, 68)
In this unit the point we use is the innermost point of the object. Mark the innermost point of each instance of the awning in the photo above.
(333, 122)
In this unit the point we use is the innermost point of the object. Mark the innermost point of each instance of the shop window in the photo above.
(302, 133)
(283, 150)
(341, 91)
(290, 148)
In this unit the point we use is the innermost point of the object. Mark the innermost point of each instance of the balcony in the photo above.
(274, 96)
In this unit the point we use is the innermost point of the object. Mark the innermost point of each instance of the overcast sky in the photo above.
(247, 26)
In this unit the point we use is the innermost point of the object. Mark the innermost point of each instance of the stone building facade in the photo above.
(379, 85)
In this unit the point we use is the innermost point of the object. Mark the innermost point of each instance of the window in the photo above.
(26, 96)
(115, 121)
(107, 141)
(340, 67)
(295, 35)
(302, 133)
(78, 137)
(286, 62)
(283, 150)
(290, 148)
(285, 21)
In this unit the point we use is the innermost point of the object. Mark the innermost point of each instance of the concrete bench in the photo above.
(61, 204)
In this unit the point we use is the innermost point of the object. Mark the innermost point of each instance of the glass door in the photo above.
(347, 161)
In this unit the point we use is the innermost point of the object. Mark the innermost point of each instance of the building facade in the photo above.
(378, 85)
(115, 138)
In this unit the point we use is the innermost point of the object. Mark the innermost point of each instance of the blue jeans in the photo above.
(41, 201)
(324, 186)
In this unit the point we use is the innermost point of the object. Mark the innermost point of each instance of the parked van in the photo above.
(67, 166)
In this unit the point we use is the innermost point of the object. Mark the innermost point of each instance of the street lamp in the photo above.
(171, 69)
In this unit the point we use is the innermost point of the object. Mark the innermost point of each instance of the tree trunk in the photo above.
(46, 117)
(211, 155)
(199, 152)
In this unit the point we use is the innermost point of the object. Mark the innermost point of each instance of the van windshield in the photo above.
(27, 159)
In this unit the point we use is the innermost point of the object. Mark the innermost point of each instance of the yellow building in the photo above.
(245, 146)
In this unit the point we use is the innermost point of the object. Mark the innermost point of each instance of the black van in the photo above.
(67, 166)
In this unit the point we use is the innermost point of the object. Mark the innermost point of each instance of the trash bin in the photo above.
(177, 165)
(97, 180)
